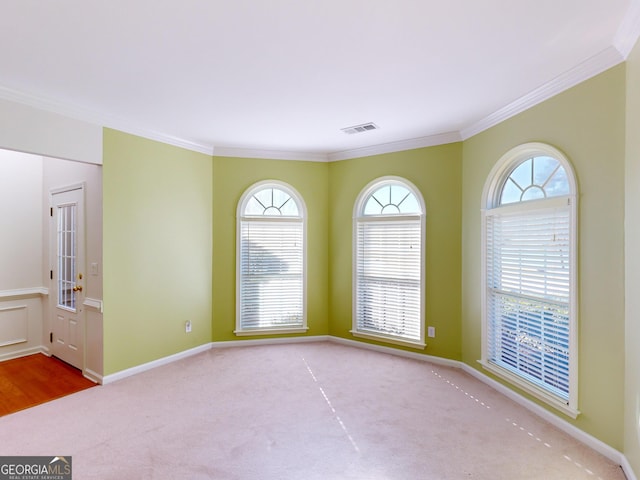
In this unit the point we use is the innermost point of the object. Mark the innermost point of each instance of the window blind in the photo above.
(271, 274)
(388, 270)
(528, 281)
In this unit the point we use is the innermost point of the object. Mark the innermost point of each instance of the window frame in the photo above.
(240, 219)
(358, 215)
(490, 205)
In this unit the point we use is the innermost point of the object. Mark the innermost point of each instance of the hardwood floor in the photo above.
(35, 379)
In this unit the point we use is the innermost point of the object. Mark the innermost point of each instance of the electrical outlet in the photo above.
(431, 332)
(187, 326)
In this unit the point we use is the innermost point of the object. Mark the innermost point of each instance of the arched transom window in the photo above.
(270, 293)
(529, 313)
(271, 201)
(389, 262)
(535, 178)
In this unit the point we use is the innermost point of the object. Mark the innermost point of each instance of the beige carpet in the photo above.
(305, 411)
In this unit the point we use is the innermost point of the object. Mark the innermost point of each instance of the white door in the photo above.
(67, 276)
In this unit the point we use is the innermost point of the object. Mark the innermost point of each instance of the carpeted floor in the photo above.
(304, 411)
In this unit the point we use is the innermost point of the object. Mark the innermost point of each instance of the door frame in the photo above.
(52, 241)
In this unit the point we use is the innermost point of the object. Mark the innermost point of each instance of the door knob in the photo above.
(77, 288)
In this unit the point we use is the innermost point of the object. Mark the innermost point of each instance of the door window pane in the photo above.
(66, 255)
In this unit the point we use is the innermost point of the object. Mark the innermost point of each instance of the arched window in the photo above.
(271, 260)
(389, 263)
(529, 272)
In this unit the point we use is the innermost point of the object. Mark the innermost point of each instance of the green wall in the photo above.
(632, 264)
(157, 250)
(231, 178)
(436, 172)
(170, 228)
(587, 123)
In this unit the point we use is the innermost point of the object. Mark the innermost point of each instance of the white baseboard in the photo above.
(626, 468)
(22, 353)
(153, 364)
(589, 440)
(203, 348)
(445, 362)
(93, 376)
(270, 341)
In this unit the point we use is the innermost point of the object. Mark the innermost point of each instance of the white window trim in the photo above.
(302, 209)
(357, 210)
(490, 194)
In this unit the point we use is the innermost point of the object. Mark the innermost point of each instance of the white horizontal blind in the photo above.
(388, 270)
(271, 274)
(528, 280)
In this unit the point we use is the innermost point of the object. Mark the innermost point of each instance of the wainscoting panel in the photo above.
(21, 330)
(14, 325)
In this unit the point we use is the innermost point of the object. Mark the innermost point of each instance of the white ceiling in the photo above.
(287, 75)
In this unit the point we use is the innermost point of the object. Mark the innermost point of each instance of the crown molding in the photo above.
(604, 60)
(205, 148)
(391, 147)
(624, 41)
(103, 120)
(123, 126)
(409, 144)
(269, 154)
(629, 30)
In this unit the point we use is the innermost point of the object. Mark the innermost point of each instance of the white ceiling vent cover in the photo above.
(365, 127)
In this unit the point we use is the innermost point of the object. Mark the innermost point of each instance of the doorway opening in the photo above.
(54, 210)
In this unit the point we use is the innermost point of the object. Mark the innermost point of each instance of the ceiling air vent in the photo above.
(365, 127)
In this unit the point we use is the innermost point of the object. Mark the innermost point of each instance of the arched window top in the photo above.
(271, 199)
(529, 172)
(533, 179)
(390, 196)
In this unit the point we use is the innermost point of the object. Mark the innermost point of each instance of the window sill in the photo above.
(542, 395)
(389, 339)
(270, 331)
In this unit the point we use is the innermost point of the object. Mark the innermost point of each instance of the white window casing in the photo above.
(529, 248)
(271, 260)
(388, 269)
